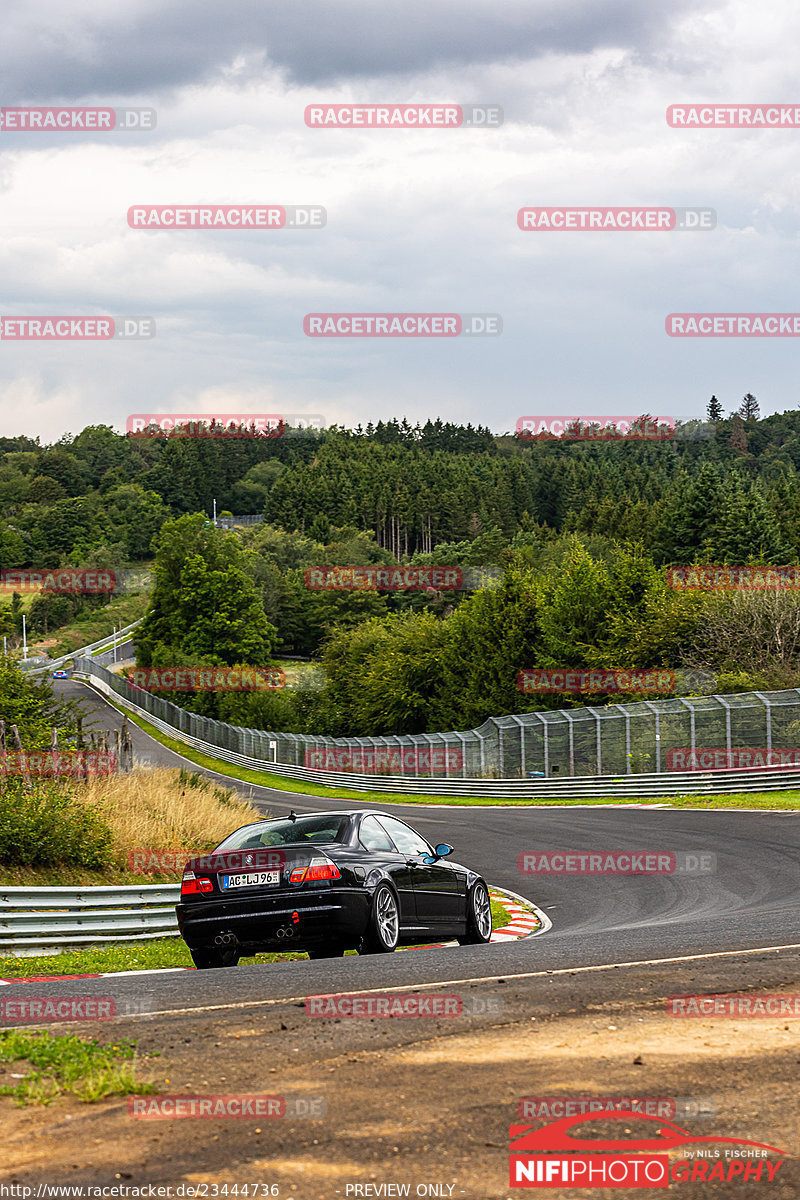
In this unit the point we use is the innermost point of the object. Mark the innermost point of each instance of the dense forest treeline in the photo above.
(580, 531)
(101, 497)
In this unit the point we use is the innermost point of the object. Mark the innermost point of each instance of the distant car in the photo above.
(326, 883)
(60, 675)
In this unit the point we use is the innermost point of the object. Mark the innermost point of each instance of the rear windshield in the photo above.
(283, 832)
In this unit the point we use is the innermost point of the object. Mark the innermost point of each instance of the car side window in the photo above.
(406, 840)
(374, 837)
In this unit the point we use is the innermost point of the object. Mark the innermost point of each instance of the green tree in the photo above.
(204, 601)
(714, 410)
(738, 439)
(688, 516)
(747, 530)
(29, 703)
(748, 409)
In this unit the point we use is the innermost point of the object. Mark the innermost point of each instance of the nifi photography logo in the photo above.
(576, 1153)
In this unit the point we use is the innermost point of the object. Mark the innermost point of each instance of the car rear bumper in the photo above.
(322, 916)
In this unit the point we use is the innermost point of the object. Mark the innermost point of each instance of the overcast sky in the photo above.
(417, 220)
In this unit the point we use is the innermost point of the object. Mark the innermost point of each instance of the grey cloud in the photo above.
(140, 47)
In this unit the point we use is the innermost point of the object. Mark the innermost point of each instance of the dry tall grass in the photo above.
(166, 809)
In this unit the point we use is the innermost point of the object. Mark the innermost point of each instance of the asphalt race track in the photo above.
(749, 903)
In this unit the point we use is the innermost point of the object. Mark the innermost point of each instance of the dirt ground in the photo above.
(418, 1101)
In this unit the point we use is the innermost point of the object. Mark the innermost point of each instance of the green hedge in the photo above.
(50, 827)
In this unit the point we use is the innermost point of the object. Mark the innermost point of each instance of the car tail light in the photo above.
(318, 868)
(191, 885)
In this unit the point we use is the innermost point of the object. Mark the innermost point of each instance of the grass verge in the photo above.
(172, 812)
(770, 800)
(54, 1064)
(141, 956)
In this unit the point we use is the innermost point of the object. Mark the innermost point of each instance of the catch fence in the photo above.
(648, 737)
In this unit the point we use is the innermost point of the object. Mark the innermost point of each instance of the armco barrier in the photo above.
(104, 643)
(648, 785)
(43, 920)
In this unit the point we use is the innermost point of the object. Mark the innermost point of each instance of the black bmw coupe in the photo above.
(326, 883)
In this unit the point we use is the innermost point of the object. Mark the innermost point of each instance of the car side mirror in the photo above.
(442, 850)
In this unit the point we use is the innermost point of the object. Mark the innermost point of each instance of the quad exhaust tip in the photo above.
(225, 939)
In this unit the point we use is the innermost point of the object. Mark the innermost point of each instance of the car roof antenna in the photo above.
(292, 815)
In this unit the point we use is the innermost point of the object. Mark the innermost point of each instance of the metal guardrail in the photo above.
(651, 785)
(104, 643)
(42, 920)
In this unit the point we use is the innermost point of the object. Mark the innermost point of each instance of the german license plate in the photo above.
(251, 879)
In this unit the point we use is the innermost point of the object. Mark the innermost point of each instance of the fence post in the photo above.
(767, 719)
(26, 778)
(127, 745)
(463, 739)
(727, 708)
(596, 716)
(521, 727)
(692, 736)
(483, 754)
(653, 709)
(570, 723)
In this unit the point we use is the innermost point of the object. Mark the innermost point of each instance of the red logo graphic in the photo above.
(537, 1155)
(216, 679)
(733, 116)
(703, 577)
(544, 428)
(414, 760)
(573, 680)
(64, 582)
(36, 1009)
(383, 579)
(733, 324)
(712, 758)
(731, 1005)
